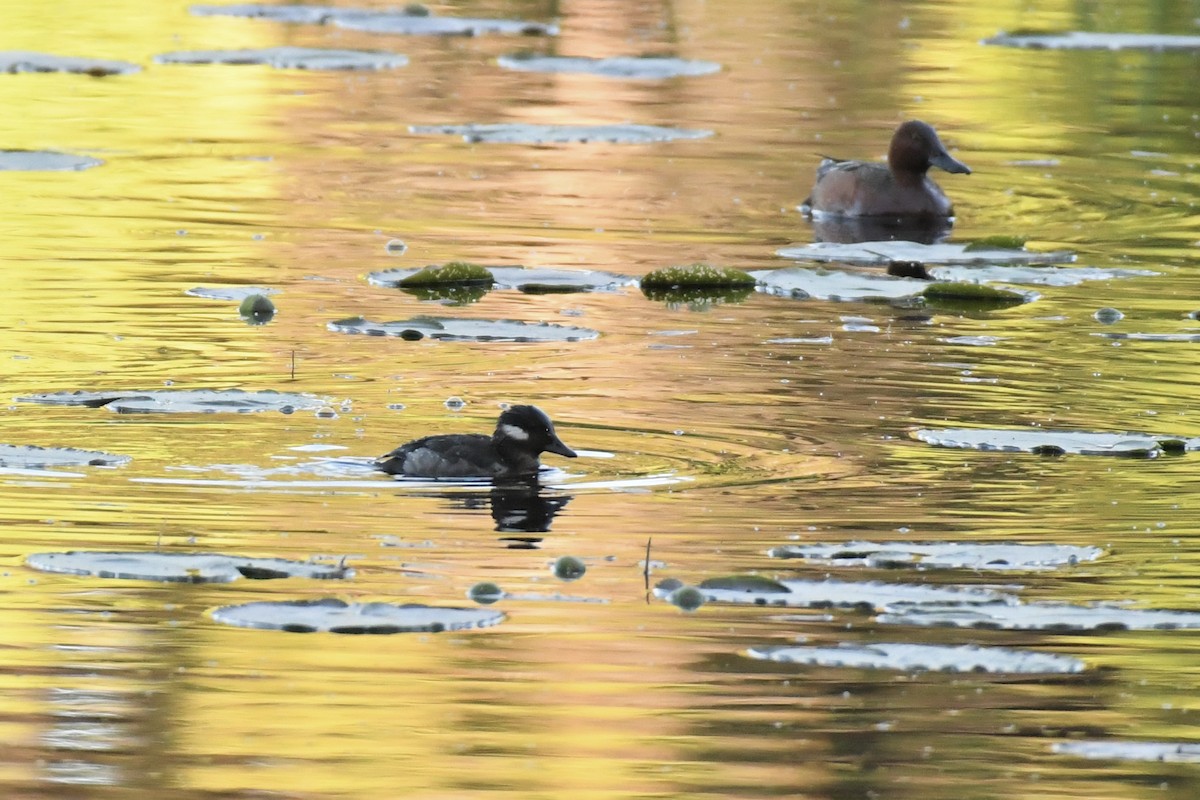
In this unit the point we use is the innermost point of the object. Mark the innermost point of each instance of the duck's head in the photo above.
(528, 428)
(916, 147)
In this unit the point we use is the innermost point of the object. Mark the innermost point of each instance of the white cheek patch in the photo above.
(514, 432)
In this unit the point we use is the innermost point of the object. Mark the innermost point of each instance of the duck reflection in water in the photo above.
(517, 507)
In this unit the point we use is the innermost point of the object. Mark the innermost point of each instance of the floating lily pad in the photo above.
(1050, 442)
(415, 20)
(233, 293)
(289, 58)
(1150, 337)
(1042, 617)
(180, 567)
(466, 330)
(183, 401)
(887, 251)
(44, 161)
(335, 616)
(28, 456)
(1086, 40)
(524, 133)
(835, 594)
(641, 67)
(1032, 276)
(979, 293)
(1131, 751)
(822, 284)
(941, 555)
(529, 280)
(15, 61)
(459, 272)
(923, 657)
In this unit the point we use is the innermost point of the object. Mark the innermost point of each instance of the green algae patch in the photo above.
(257, 309)
(998, 242)
(744, 583)
(697, 298)
(454, 272)
(698, 276)
(974, 294)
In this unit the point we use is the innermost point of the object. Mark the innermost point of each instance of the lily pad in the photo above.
(1087, 40)
(1150, 337)
(183, 401)
(414, 20)
(232, 293)
(1051, 442)
(870, 595)
(1116, 749)
(28, 456)
(1042, 617)
(526, 279)
(884, 252)
(923, 657)
(44, 161)
(466, 330)
(822, 284)
(525, 133)
(940, 555)
(641, 67)
(180, 567)
(335, 616)
(14, 61)
(1033, 276)
(290, 58)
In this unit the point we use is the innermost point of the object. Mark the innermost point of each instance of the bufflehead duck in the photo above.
(522, 434)
(899, 188)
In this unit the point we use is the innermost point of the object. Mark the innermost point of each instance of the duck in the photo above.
(899, 188)
(522, 434)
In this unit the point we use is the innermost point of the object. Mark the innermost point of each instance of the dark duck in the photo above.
(522, 434)
(900, 188)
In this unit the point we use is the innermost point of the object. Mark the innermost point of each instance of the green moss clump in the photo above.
(453, 272)
(953, 290)
(257, 309)
(1000, 242)
(416, 10)
(746, 583)
(569, 568)
(485, 593)
(697, 275)
(688, 598)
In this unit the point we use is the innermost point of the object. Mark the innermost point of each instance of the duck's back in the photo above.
(465, 455)
(861, 189)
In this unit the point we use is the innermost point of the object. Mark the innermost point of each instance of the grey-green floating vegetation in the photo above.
(887, 251)
(1107, 315)
(945, 293)
(1054, 442)
(465, 330)
(531, 280)
(181, 567)
(940, 555)
(697, 298)
(184, 401)
(229, 293)
(687, 598)
(28, 456)
(44, 161)
(1059, 617)
(639, 67)
(1088, 40)
(337, 616)
(869, 595)
(923, 658)
(698, 276)
(823, 284)
(997, 242)
(1150, 337)
(290, 58)
(569, 568)
(486, 593)
(526, 133)
(1125, 750)
(15, 61)
(413, 19)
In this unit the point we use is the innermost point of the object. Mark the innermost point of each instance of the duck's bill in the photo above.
(950, 163)
(556, 446)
